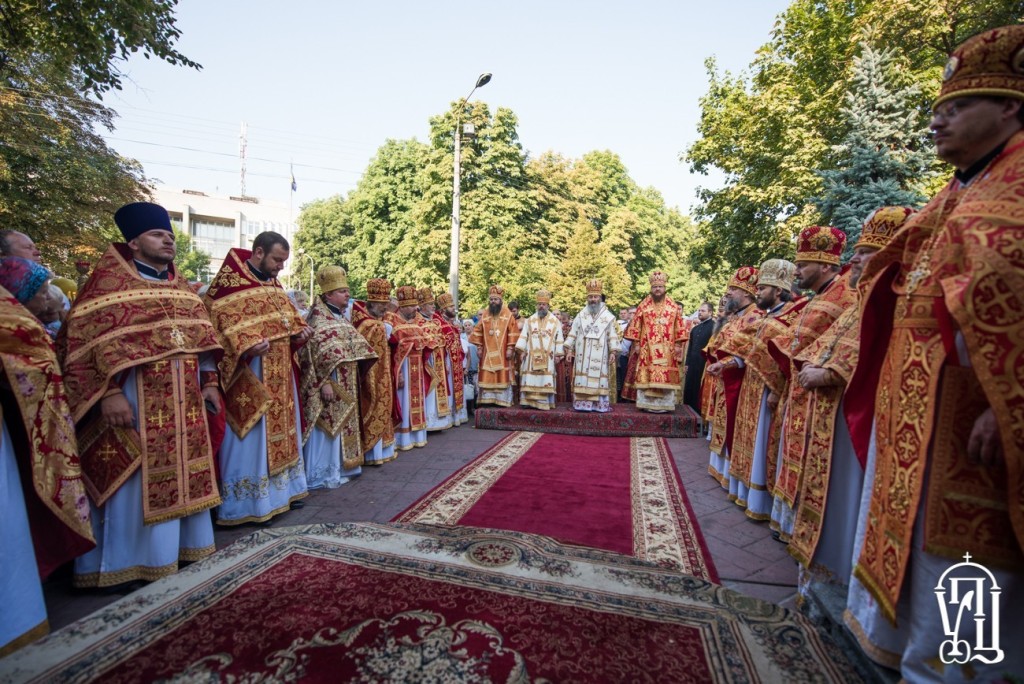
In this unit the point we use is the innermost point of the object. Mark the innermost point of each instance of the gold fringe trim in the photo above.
(410, 446)
(758, 517)
(96, 580)
(26, 638)
(876, 653)
(184, 512)
(263, 518)
(192, 555)
(381, 461)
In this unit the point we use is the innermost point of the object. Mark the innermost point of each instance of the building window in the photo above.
(213, 236)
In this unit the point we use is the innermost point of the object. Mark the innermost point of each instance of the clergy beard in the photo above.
(542, 314)
(495, 309)
(594, 309)
(657, 298)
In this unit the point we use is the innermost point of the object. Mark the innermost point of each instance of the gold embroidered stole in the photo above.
(819, 314)
(835, 350)
(436, 369)
(495, 334)
(245, 311)
(926, 402)
(453, 343)
(376, 391)
(657, 329)
(748, 406)
(155, 329)
(409, 343)
(30, 365)
(334, 349)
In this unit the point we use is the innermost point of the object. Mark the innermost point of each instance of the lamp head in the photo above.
(483, 80)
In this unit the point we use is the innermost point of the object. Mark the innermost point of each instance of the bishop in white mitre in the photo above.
(540, 346)
(593, 340)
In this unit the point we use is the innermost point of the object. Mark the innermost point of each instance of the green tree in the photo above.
(546, 222)
(771, 129)
(191, 262)
(59, 182)
(86, 40)
(883, 156)
(587, 257)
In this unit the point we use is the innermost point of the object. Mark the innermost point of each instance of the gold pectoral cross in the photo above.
(920, 272)
(177, 336)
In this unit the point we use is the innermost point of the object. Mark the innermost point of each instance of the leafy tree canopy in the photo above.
(774, 129)
(59, 182)
(526, 223)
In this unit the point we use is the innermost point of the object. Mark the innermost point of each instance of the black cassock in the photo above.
(699, 336)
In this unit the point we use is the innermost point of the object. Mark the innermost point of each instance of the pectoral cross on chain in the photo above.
(177, 336)
(920, 272)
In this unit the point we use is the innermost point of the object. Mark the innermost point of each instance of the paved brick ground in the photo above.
(747, 558)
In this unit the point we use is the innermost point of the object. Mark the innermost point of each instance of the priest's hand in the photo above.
(813, 376)
(570, 357)
(327, 392)
(400, 382)
(773, 401)
(303, 335)
(508, 353)
(212, 395)
(259, 349)
(116, 411)
(716, 368)
(984, 446)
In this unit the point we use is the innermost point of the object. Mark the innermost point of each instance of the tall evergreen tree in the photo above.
(884, 154)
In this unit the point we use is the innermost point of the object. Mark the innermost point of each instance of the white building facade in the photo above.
(216, 223)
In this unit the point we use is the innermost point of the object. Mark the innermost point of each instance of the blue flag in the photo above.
(295, 186)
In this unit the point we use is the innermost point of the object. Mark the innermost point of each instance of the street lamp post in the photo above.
(453, 269)
(312, 268)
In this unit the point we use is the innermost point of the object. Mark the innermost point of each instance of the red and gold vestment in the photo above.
(495, 336)
(453, 343)
(437, 376)
(762, 371)
(411, 342)
(123, 322)
(331, 355)
(816, 316)
(836, 351)
(245, 311)
(376, 389)
(657, 331)
(955, 270)
(736, 338)
(44, 441)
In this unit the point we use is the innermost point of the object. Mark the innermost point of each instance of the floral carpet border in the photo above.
(741, 639)
(625, 420)
(665, 528)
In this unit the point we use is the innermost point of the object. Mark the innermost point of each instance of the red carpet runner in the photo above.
(615, 493)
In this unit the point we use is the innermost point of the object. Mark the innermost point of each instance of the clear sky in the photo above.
(324, 84)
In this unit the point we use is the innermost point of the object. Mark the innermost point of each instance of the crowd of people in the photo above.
(871, 412)
(149, 409)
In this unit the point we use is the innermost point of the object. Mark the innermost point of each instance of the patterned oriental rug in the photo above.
(625, 420)
(399, 603)
(614, 493)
